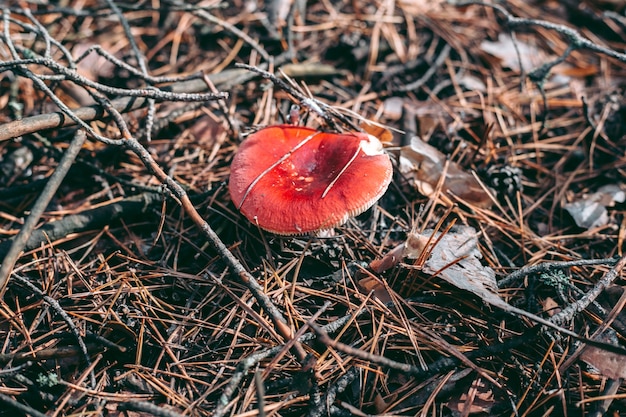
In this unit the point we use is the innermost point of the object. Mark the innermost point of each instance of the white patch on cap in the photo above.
(372, 146)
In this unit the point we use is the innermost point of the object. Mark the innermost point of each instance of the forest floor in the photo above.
(487, 280)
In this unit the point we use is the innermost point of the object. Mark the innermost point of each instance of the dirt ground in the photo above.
(487, 279)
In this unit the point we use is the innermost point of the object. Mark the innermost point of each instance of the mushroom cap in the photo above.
(293, 180)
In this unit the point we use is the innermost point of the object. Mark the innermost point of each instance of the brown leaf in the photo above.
(479, 399)
(382, 133)
(455, 258)
(93, 65)
(425, 165)
(391, 259)
(610, 364)
(550, 306)
(379, 403)
(372, 283)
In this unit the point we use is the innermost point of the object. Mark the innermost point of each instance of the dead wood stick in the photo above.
(123, 105)
(574, 38)
(42, 355)
(93, 219)
(570, 311)
(149, 408)
(40, 205)
(20, 407)
(549, 266)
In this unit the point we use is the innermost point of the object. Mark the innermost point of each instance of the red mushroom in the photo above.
(292, 180)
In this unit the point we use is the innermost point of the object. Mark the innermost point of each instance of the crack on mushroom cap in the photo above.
(291, 197)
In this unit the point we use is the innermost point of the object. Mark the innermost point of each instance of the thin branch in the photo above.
(140, 61)
(573, 309)
(20, 407)
(66, 318)
(320, 108)
(576, 40)
(223, 80)
(551, 266)
(40, 205)
(94, 219)
(151, 409)
(71, 75)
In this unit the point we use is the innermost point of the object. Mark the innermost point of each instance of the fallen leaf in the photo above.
(93, 66)
(371, 283)
(524, 57)
(382, 133)
(455, 258)
(389, 260)
(393, 108)
(590, 211)
(610, 364)
(550, 306)
(479, 399)
(380, 404)
(472, 83)
(424, 165)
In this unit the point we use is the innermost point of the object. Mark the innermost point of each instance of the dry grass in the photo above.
(161, 318)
